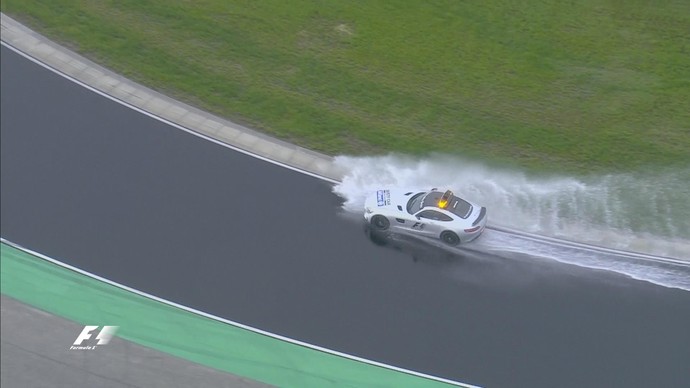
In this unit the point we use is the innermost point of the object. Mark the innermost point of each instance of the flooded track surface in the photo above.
(131, 199)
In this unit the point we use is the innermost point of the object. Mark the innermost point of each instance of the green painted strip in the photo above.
(203, 340)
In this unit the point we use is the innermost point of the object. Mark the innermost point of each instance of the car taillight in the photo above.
(470, 230)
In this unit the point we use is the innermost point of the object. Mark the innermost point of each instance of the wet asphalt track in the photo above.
(131, 199)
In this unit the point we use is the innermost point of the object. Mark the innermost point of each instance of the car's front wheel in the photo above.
(380, 222)
(450, 238)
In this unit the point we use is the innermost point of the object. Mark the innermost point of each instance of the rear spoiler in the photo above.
(479, 219)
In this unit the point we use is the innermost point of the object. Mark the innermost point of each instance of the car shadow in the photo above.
(419, 249)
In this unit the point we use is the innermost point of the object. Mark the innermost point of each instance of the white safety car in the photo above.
(432, 213)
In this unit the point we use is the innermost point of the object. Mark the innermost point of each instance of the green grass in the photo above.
(557, 85)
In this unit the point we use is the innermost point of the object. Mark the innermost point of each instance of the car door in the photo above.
(431, 222)
(404, 221)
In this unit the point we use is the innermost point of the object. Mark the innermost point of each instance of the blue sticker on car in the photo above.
(383, 197)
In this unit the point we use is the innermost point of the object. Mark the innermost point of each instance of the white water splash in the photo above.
(667, 273)
(645, 212)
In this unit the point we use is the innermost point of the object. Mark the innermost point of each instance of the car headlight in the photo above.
(368, 211)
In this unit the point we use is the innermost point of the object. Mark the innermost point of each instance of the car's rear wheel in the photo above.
(450, 238)
(380, 222)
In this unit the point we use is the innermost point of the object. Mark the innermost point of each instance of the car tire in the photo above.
(376, 236)
(450, 238)
(380, 222)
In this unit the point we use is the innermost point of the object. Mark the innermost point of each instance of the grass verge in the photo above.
(581, 86)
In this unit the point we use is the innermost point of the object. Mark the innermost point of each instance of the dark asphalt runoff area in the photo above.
(119, 194)
(34, 352)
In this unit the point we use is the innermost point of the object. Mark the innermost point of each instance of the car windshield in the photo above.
(414, 204)
(455, 205)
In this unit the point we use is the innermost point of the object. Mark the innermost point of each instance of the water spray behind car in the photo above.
(642, 212)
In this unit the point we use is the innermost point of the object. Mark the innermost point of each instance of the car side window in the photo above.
(434, 215)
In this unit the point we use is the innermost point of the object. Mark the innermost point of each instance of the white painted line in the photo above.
(153, 116)
(574, 244)
(233, 323)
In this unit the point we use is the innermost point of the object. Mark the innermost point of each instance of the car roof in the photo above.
(438, 209)
(456, 205)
